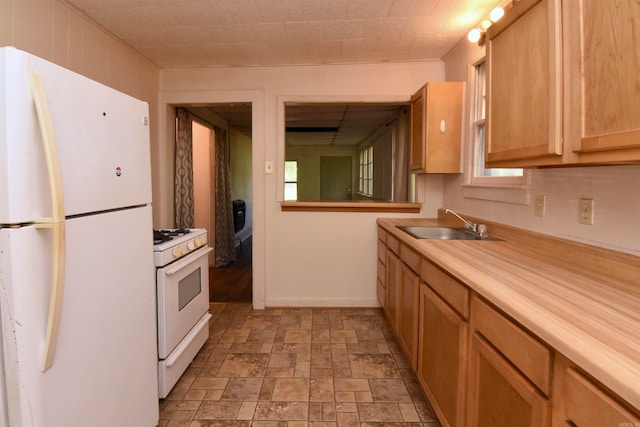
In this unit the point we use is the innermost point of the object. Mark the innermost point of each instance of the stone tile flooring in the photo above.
(296, 368)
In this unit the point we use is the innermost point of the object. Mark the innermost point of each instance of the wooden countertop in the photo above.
(581, 300)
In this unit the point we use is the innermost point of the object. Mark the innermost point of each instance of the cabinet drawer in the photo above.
(382, 251)
(382, 269)
(382, 235)
(588, 406)
(530, 356)
(411, 258)
(450, 290)
(393, 243)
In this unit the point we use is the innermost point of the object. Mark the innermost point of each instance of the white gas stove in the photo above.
(182, 280)
(172, 244)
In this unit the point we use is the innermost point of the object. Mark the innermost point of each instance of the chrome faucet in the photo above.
(467, 224)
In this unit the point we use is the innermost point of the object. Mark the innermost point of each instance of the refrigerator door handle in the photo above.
(56, 222)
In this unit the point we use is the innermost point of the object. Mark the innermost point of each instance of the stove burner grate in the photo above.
(160, 236)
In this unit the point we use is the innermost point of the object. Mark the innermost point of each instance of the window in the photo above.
(291, 180)
(315, 131)
(365, 175)
(482, 175)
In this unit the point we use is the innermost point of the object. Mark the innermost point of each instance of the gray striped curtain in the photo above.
(183, 178)
(225, 249)
(401, 158)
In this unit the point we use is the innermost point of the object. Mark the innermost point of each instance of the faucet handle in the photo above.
(482, 229)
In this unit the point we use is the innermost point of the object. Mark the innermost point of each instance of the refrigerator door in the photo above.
(104, 369)
(102, 140)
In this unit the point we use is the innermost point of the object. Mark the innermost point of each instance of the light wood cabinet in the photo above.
(562, 86)
(578, 402)
(477, 365)
(603, 89)
(499, 395)
(524, 85)
(391, 297)
(436, 128)
(398, 288)
(510, 372)
(443, 357)
(408, 292)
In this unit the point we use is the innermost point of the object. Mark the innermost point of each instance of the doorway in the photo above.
(335, 178)
(232, 282)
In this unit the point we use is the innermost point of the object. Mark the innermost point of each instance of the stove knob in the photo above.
(201, 241)
(178, 251)
(191, 245)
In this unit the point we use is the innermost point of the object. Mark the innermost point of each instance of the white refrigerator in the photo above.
(77, 280)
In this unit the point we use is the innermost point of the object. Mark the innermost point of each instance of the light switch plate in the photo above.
(585, 207)
(268, 167)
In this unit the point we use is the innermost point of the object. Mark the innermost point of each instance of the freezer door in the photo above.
(102, 140)
(104, 369)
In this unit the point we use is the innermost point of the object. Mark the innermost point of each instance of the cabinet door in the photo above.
(604, 75)
(381, 287)
(408, 313)
(393, 269)
(443, 357)
(524, 93)
(499, 395)
(436, 128)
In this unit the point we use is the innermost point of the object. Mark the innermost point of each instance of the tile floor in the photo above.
(297, 368)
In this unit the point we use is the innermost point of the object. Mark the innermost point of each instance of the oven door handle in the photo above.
(186, 341)
(180, 264)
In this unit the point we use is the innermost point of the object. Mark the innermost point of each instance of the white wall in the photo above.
(613, 188)
(204, 182)
(311, 259)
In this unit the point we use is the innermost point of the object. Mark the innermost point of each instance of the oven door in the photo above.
(183, 298)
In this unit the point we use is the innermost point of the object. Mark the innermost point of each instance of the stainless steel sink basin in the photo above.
(443, 233)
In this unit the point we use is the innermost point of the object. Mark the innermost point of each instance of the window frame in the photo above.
(365, 172)
(291, 182)
(511, 189)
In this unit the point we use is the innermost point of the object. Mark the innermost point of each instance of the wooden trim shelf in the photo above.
(339, 206)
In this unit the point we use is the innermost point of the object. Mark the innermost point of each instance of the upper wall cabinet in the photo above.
(436, 128)
(602, 61)
(563, 84)
(524, 85)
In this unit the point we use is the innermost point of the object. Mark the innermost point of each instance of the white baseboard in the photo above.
(322, 302)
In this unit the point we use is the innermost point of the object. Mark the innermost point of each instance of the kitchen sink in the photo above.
(443, 233)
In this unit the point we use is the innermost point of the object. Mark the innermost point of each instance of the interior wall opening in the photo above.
(230, 280)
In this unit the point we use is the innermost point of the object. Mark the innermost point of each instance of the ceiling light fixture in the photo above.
(476, 35)
(496, 14)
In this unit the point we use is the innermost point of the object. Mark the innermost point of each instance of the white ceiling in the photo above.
(222, 33)
(215, 33)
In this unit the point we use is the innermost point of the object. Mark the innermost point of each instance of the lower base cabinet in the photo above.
(391, 297)
(499, 395)
(477, 366)
(408, 313)
(442, 362)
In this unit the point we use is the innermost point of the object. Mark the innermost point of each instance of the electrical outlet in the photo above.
(541, 202)
(585, 207)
